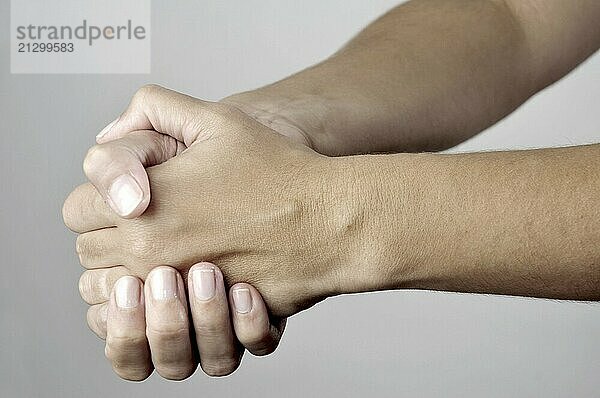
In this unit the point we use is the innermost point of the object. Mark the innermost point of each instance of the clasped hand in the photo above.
(225, 201)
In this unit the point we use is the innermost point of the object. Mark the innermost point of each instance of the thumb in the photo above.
(166, 111)
(117, 168)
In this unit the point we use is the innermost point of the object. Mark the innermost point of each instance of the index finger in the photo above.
(166, 111)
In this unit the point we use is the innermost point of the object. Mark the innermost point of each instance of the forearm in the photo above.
(430, 73)
(519, 223)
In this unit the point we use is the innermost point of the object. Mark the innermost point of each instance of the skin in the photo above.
(140, 337)
(429, 74)
(320, 226)
(153, 329)
(220, 341)
(279, 205)
(433, 67)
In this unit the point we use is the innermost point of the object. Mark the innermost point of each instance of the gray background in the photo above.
(386, 344)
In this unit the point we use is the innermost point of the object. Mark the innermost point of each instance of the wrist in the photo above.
(383, 222)
(352, 201)
(297, 116)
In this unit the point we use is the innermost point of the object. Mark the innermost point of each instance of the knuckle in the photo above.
(142, 247)
(206, 329)
(87, 249)
(174, 364)
(149, 88)
(220, 367)
(108, 277)
(71, 209)
(134, 365)
(99, 206)
(262, 350)
(75, 204)
(86, 286)
(81, 244)
(256, 341)
(143, 93)
(124, 345)
(93, 324)
(175, 372)
(95, 286)
(68, 212)
(220, 108)
(96, 155)
(222, 113)
(96, 320)
(92, 327)
(91, 318)
(133, 373)
(167, 333)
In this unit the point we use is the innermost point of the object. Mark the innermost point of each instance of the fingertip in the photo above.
(205, 281)
(165, 286)
(126, 305)
(220, 354)
(159, 270)
(244, 285)
(251, 320)
(203, 265)
(117, 170)
(127, 292)
(245, 298)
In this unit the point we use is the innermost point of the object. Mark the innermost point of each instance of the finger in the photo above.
(96, 319)
(117, 169)
(85, 210)
(167, 324)
(99, 249)
(251, 322)
(126, 344)
(95, 285)
(168, 112)
(220, 353)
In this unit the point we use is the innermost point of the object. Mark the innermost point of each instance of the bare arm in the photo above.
(430, 74)
(519, 223)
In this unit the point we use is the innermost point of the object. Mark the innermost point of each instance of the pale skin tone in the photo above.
(279, 218)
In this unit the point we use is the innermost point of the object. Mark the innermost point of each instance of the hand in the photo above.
(95, 285)
(146, 326)
(207, 205)
(118, 171)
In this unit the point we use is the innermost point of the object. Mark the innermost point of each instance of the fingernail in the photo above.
(204, 283)
(163, 284)
(242, 300)
(127, 292)
(126, 194)
(106, 129)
